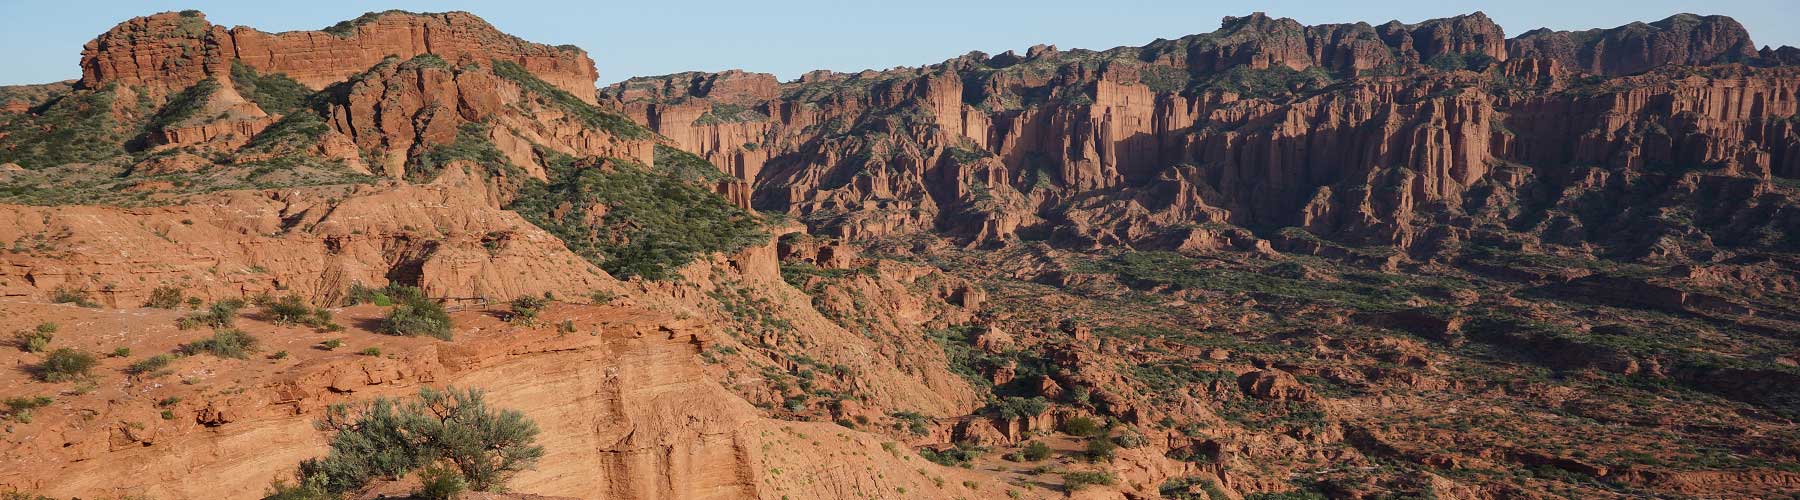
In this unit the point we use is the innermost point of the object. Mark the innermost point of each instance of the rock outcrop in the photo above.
(449, 238)
(1681, 39)
(172, 50)
(624, 408)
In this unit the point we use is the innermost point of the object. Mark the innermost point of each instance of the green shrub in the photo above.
(1012, 407)
(151, 364)
(440, 483)
(416, 315)
(66, 364)
(385, 439)
(1035, 451)
(1078, 480)
(288, 310)
(164, 297)
(1080, 426)
(221, 314)
(331, 344)
(1130, 439)
(19, 408)
(292, 310)
(71, 295)
(360, 294)
(225, 343)
(281, 490)
(121, 352)
(525, 309)
(960, 455)
(1101, 449)
(371, 351)
(36, 339)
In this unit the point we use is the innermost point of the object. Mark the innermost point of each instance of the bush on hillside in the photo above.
(225, 343)
(416, 315)
(386, 439)
(66, 364)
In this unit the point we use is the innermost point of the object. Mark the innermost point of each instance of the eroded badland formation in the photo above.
(1273, 261)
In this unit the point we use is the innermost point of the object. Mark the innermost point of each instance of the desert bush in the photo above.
(288, 310)
(221, 314)
(71, 295)
(37, 339)
(1035, 451)
(18, 409)
(440, 483)
(164, 297)
(1078, 480)
(360, 294)
(151, 364)
(292, 310)
(281, 490)
(66, 364)
(417, 315)
(525, 309)
(1101, 449)
(1080, 426)
(385, 296)
(386, 439)
(225, 343)
(1130, 439)
(1011, 407)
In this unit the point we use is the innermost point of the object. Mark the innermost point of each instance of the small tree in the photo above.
(385, 439)
(487, 447)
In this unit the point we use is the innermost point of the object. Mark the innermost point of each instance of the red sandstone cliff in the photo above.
(172, 50)
(1340, 129)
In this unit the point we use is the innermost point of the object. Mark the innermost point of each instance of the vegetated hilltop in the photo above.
(1271, 261)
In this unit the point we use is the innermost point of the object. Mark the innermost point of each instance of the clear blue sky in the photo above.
(40, 40)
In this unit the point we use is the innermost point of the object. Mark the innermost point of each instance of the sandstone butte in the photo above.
(1270, 261)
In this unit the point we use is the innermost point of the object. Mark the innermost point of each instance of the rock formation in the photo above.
(1345, 260)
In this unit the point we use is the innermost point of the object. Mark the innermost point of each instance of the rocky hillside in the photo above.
(1273, 261)
(1394, 135)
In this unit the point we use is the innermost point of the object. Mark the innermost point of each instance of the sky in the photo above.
(40, 40)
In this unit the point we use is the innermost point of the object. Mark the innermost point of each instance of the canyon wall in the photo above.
(172, 50)
(1345, 129)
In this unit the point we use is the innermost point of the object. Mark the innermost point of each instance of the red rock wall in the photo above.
(171, 51)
